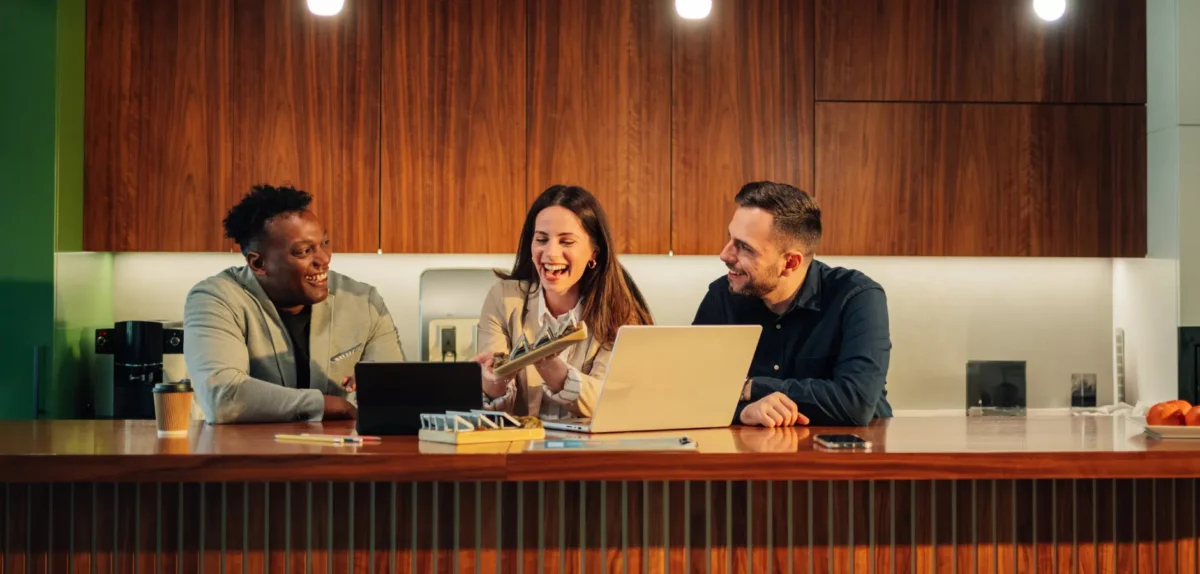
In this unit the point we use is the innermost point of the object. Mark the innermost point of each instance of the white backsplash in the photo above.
(1055, 314)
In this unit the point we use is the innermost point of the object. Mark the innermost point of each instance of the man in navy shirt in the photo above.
(823, 354)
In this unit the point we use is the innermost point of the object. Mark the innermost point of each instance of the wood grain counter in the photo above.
(1053, 494)
(905, 448)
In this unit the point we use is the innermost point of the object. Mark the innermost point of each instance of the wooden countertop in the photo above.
(904, 448)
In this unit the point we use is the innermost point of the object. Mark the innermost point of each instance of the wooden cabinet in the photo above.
(600, 110)
(923, 127)
(305, 95)
(189, 103)
(158, 164)
(453, 130)
(741, 110)
(980, 50)
(973, 179)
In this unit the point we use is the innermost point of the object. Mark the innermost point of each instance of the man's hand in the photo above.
(773, 410)
(783, 439)
(349, 384)
(337, 408)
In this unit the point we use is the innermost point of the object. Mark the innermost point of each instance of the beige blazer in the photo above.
(501, 323)
(240, 356)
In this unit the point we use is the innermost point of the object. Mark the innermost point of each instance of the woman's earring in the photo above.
(592, 264)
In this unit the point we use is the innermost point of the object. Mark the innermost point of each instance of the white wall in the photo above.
(1056, 314)
(1145, 307)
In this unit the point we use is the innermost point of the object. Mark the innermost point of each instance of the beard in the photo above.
(756, 284)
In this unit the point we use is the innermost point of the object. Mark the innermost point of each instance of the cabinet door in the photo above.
(305, 98)
(453, 126)
(157, 119)
(600, 110)
(190, 103)
(980, 50)
(982, 180)
(741, 110)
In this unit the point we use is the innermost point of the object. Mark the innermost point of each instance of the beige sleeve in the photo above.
(493, 337)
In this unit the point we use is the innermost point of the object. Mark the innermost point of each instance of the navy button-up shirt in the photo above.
(828, 351)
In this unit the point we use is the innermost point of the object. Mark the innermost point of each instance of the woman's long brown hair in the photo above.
(610, 297)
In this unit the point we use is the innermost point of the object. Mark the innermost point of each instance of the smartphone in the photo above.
(842, 441)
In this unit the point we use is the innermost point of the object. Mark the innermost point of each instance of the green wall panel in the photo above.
(27, 186)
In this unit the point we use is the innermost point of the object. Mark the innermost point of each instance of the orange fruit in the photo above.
(1192, 417)
(1165, 414)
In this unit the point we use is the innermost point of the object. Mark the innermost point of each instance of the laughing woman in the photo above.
(565, 265)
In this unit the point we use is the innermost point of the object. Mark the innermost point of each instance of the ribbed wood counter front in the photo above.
(939, 494)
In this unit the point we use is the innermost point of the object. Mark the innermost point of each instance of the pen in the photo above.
(333, 440)
(347, 438)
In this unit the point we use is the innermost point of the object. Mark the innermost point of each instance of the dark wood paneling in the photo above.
(1086, 532)
(306, 110)
(964, 527)
(1145, 505)
(1064, 524)
(923, 509)
(256, 527)
(904, 517)
(157, 124)
(600, 110)
(985, 525)
(277, 535)
(1043, 516)
(967, 50)
(1007, 547)
(980, 180)
(714, 527)
(840, 512)
(1185, 530)
(454, 91)
(330, 509)
(741, 110)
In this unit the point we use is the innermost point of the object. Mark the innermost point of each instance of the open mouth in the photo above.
(555, 271)
(317, 279)
(736, 273)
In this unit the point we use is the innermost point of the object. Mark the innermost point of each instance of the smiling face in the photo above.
(292, 260)
(754, 261)
(561, 250)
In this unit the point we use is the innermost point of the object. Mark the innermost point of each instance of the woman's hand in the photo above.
(553, 371)
(493, 386)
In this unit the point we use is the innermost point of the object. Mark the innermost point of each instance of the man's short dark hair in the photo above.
(246, 221)
(797, 215)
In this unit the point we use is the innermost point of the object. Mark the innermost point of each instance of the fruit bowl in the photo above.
(1167, 431)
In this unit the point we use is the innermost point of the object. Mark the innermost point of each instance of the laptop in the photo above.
(662, 377)
(393, 395)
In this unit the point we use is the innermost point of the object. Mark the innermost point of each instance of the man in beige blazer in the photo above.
(277, 339)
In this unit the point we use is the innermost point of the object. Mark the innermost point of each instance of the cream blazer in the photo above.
(501, 324)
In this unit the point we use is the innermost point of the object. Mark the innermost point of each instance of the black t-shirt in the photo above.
(297, 328)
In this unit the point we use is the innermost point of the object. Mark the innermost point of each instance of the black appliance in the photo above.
(137, 348)
(1189, 364)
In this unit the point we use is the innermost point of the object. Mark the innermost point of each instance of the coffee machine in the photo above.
(137, 348)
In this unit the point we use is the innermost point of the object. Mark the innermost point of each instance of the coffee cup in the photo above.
(173, 408)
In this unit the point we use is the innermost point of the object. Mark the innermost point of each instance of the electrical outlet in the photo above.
(452, 340)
